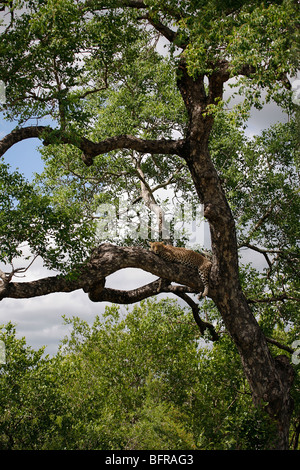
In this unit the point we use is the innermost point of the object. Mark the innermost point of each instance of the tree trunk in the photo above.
(270, 379)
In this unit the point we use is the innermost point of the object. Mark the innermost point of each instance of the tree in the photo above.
(125, 119)
(138, 381)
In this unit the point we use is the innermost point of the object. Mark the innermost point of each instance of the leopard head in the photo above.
(156, 247)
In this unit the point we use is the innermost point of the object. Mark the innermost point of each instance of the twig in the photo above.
(280, 345)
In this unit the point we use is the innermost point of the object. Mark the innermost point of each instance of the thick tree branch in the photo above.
(90, 149)
(168, 33)
(105, 260)
(93, 5)
(133, 4)
(18, 135)
(118, 296)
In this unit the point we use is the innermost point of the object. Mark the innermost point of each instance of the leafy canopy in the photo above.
(143, 381)
(96, 69)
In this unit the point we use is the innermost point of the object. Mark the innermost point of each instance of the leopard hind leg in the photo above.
(204, 276)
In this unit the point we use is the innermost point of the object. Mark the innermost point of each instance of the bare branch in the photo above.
(18, 135)
(136, 295)
(168, 33)
(133, 3)
(93, 5)
(259, 223)
(280, 345)
(278, 298)
(105, 260)
(98, 293)
(169, 180)
(149, 199)
(258, 250)
(203, 325)
(5, 278)
(129, 142)
(89, 148)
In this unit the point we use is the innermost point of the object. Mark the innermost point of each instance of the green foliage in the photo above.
(136, 381)
(97, 73)
(144, 381)
(72, 52)
(252, 33)
(19, 376)
(261, 179)
(143, 98)
(56, 232)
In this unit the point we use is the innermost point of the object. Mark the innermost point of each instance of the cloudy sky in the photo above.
(40, 319)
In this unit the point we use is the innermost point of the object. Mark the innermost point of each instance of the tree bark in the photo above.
(90, 149)
(270, 379)
(105, 260)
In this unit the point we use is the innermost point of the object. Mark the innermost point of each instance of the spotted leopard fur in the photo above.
(187, 257)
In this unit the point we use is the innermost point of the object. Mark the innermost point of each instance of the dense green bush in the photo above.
(143, 380)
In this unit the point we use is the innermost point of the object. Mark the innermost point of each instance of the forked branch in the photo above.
(105, 260)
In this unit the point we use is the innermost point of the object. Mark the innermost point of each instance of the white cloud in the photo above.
(259, 119)
(39, 319)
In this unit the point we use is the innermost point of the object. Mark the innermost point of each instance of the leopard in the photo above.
(188, 258)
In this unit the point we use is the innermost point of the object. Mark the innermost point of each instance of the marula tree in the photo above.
(117, 118)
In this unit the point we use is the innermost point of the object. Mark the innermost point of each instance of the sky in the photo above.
(40, 319)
